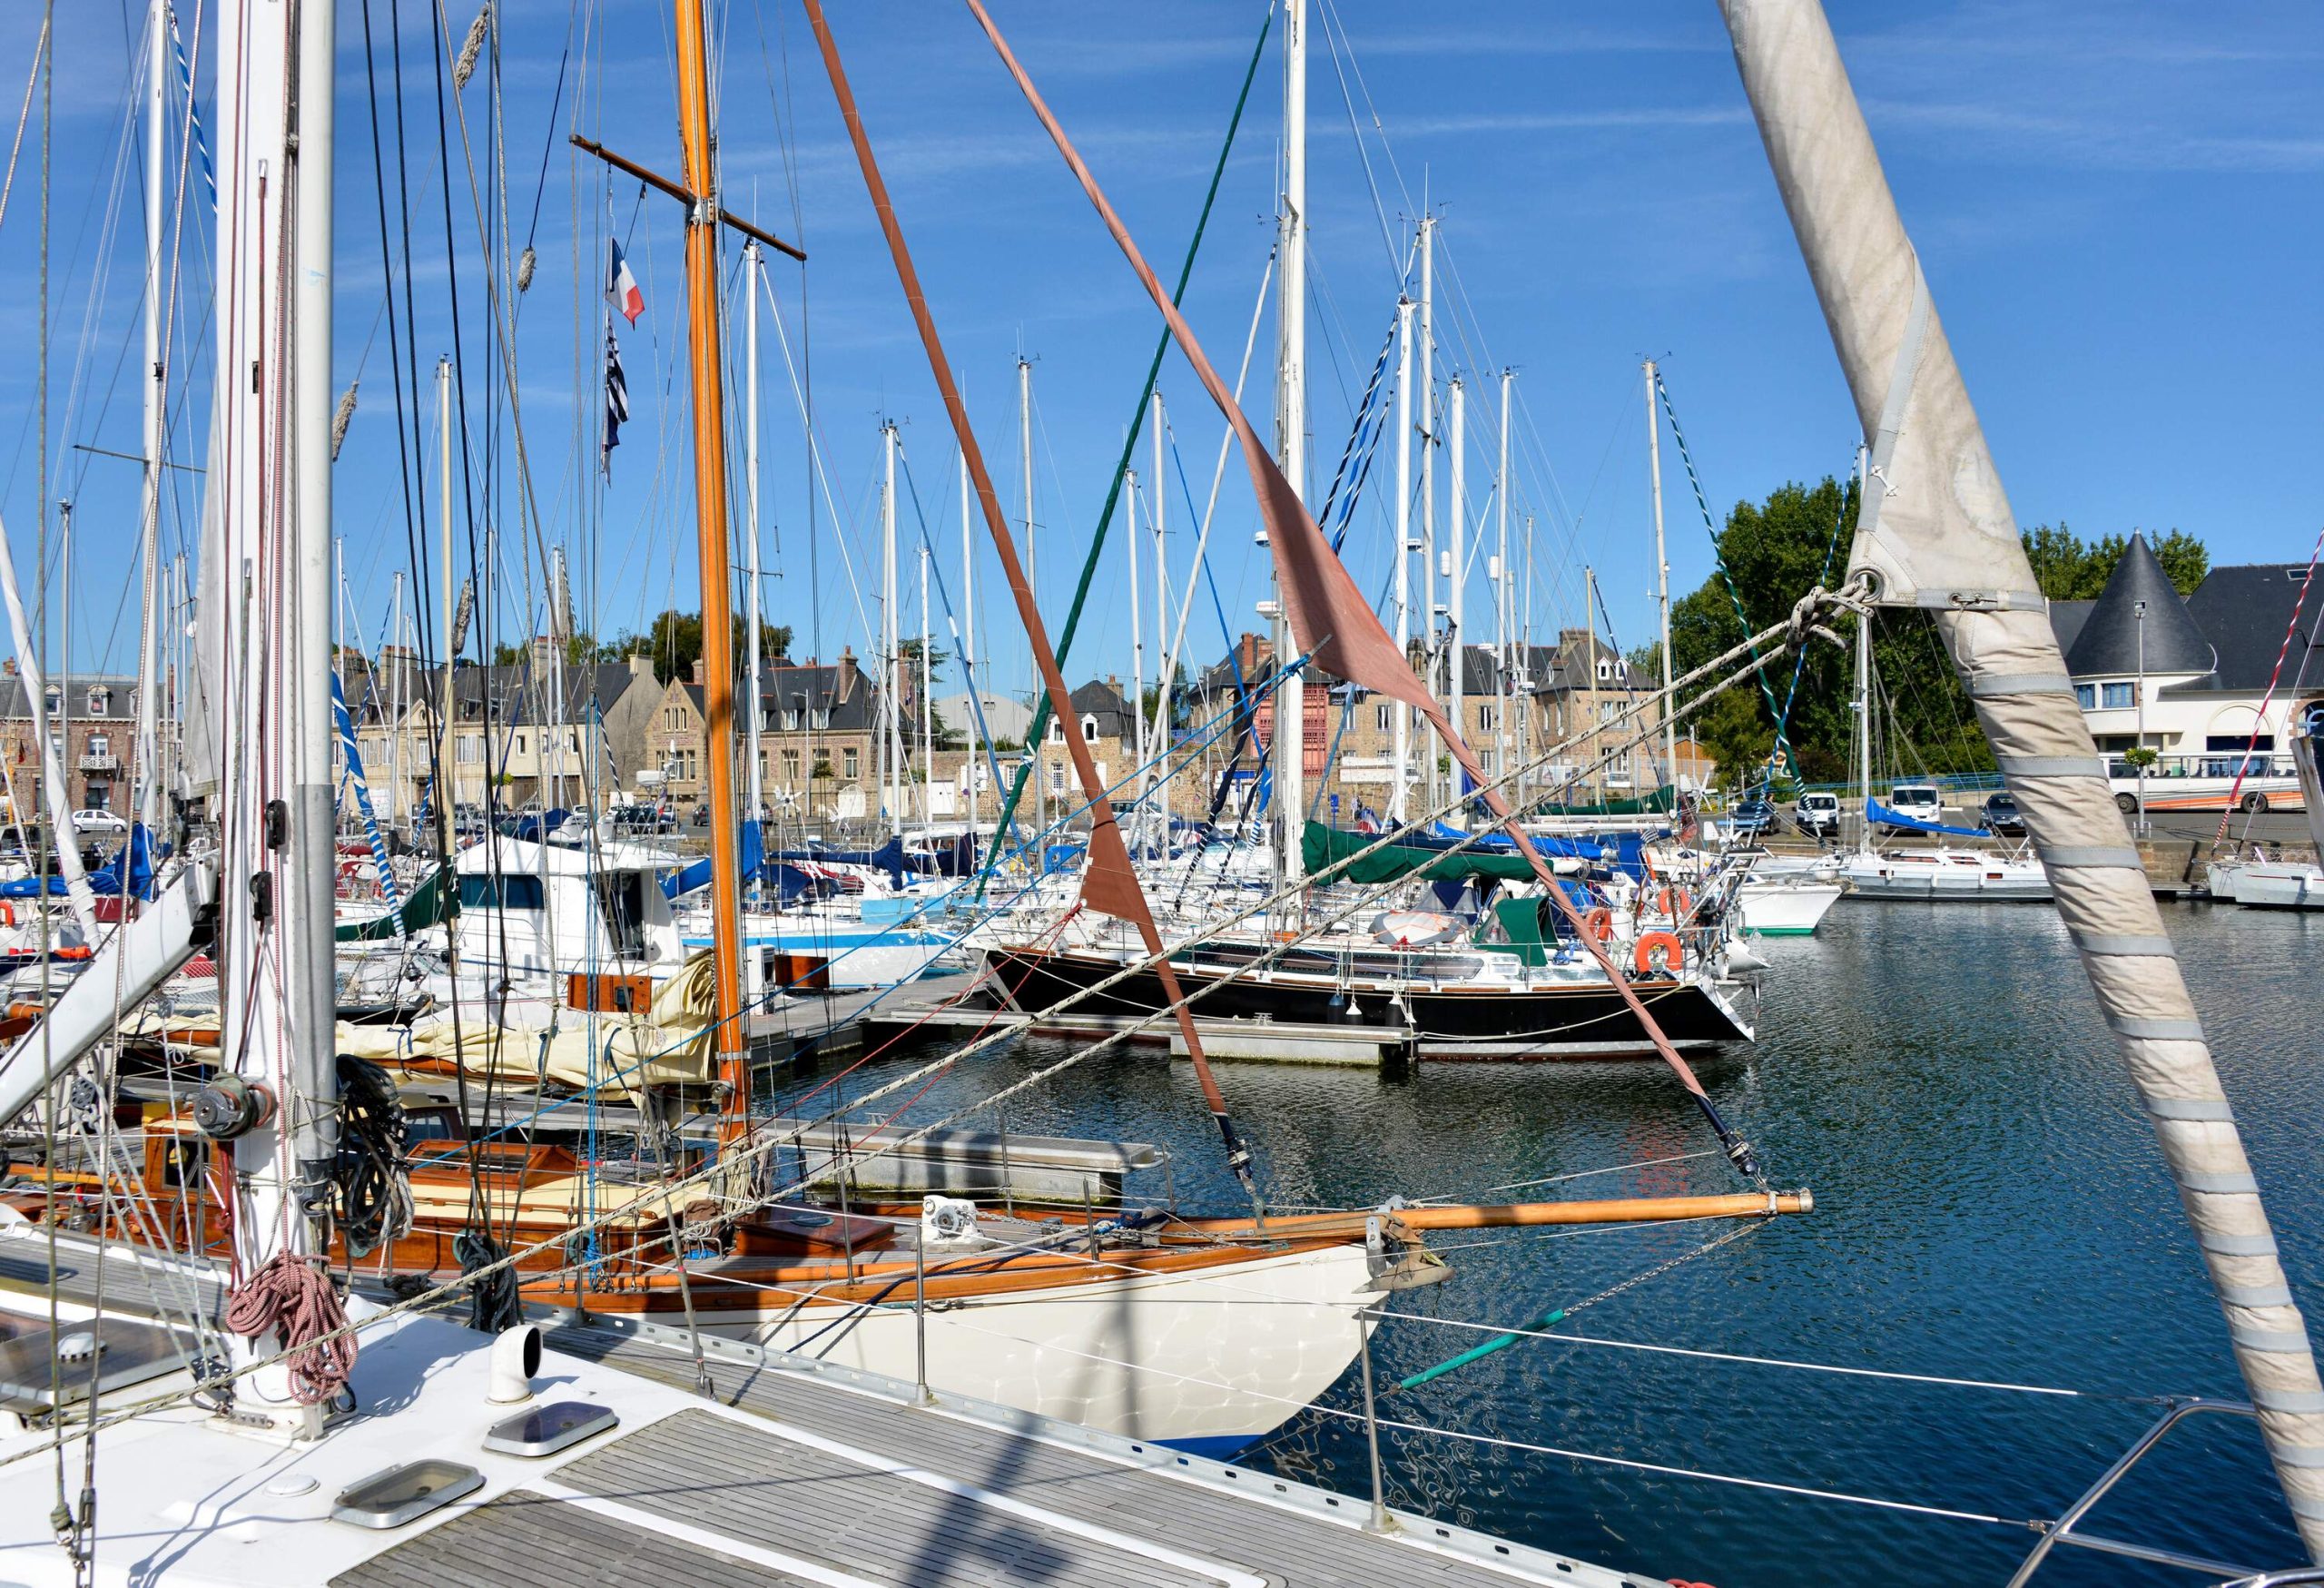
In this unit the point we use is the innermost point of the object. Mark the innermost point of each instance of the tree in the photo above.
(674, 639)
(1774, 552)
(2068, 568)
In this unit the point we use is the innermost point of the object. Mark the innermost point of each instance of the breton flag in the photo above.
(616, 400)
(621, 287)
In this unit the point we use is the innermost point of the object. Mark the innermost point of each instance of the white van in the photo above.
(1817, 815)
(1920, 801)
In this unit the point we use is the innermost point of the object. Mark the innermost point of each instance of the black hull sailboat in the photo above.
(1450, 1003)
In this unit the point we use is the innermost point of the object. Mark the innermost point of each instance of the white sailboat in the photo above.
(2260, 882)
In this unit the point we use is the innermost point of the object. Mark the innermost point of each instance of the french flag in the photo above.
(621, 287)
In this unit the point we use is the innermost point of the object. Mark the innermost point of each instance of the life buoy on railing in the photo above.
(1675, 903)
(8, 913)
(1600, 924)
(1674, 953)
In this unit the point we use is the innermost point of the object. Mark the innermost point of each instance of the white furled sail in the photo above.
(1937, 533)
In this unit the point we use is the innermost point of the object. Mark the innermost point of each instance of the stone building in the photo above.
(92, 723)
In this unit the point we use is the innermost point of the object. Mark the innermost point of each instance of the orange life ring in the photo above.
(1600, 924)
(1665, 901)
(8, 913)
(1674, 953)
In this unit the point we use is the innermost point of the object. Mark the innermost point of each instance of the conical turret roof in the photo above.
(2109, 642)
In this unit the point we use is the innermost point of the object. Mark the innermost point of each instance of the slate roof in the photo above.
(2244, 612)
(515, 695)
(848, 693)
(2066, 618)
(115, 693)
(1102, 701)
(2111, 640)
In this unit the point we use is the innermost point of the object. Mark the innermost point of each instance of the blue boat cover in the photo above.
(136, 857)
(1888, 818)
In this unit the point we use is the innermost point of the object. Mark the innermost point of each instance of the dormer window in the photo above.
(99, 701)
(1056, 732)
(1605, 670)
(1089, 728)
(55, 698)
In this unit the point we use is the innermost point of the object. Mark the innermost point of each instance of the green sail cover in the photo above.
(1661, 802)
(424, 908)
(1321, 846)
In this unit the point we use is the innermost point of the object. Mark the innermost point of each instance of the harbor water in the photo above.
(1990, 1205)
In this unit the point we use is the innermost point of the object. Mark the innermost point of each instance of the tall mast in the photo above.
(1136, 642)
(927, 707)
(891, 672)
(707, 371)
(969, 636)
(396, 810)
(1430, 611)
(1457, 572)
(1400, 715)
(1291, 431)
(307, 912)
(1589, 671)
(1158, 743)
(1032, 569)
(156, 394)
(446, 788)
(1525, 649)
(1662, 574)
(753, 771)
(1501, 586)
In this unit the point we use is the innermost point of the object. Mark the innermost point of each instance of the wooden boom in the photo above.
(1515, 1215)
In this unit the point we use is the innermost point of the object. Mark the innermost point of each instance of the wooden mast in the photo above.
(710, 529)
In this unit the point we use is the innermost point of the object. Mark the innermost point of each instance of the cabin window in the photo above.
(483, 891)
(2086, 696)
(851, 763)
(2117, 697)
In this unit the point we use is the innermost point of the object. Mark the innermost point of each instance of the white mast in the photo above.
(1661, 574)
(276, 1014)
(927, 707)
(1137, 637)
(892, 675)
(446, 788)
(1500, 588)
(1456, 572)
(755, 778)
(1037, 773)
(395, 702)
(1430, 611)
(1525, 649)
(969, 637)
(148, 667)
(1291, 431)
(1400, 715)
(1165, 661)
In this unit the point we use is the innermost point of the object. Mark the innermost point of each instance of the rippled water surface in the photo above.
(1990, 1203)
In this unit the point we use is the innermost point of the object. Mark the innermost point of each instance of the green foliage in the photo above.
(1775, 552)
(2069, 568)
(674, 640)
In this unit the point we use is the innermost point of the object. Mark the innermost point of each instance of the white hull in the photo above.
(1783, 907)
(1947, 875)
(2269, 885)
(1213, 1359)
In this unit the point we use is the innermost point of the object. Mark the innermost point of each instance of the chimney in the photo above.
(698, 673)
(848, 673)
(639, 663)
(544, 653)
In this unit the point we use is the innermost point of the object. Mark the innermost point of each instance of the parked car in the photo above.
(1817, 815)
(98, 824)
(2003, 816)
(1752, 819)
(1919, 801)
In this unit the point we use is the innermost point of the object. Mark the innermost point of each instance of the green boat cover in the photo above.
(1661, 802)
(1321, 846)
(426, 907)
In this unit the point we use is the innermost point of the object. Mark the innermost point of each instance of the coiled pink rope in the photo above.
(293, 1297)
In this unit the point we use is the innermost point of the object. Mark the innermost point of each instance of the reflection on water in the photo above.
(1990, 1203)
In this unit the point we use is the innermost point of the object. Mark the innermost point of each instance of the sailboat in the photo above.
(2267, 883)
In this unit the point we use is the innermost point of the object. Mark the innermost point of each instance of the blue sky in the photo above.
(2118, 206)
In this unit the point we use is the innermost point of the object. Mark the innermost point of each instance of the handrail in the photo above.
(2062, 1531)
